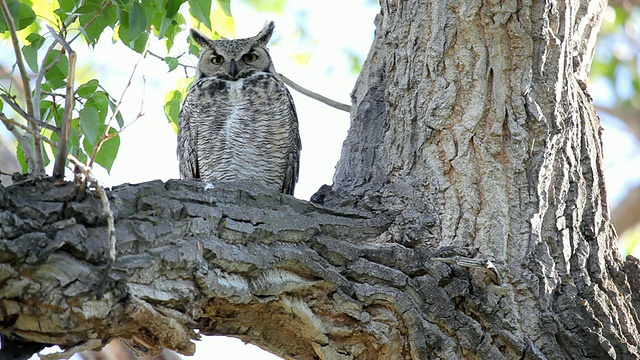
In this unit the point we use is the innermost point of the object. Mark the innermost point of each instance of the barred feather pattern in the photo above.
(240, 130)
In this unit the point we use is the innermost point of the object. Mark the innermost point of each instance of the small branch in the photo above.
(37, 162)
(315, 96)
(164, 59)
(65, 128)
(289, 82)
(23, 140)
(8, 123)
(28, 117)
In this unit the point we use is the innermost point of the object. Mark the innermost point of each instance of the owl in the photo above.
(238, 121)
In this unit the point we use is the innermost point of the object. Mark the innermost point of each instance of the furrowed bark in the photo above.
(264, 267)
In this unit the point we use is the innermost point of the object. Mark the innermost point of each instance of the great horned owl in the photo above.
(238, 121)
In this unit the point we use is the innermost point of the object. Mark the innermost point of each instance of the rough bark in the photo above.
(468, 218)
(494, 129)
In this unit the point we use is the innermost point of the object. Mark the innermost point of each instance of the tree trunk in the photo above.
(468, 218)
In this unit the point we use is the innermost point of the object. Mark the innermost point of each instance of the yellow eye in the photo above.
(250, 57)
(217, 59)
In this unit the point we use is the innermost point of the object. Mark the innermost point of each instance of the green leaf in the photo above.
(200, 9)
(225, 5)
(87, 89)
(21, 13)
(22, 160)
(172, 62)
(137, 21)
(46, 110)
(99, 101)
(59, 64)
(74, 139)
(92, 25)
(173, 29)
(90, 125)
(223, 21)
(134, 39)
(193, 48)
(108, 151)
(171, 7)
(119, 118)
(65, 9)
(58, 72)
(172, 102)
(90, 8)
(140, 43)
(31, 51)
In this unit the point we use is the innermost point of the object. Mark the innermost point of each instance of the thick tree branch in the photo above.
(192, 254)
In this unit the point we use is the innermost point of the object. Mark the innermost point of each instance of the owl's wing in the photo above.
(187, 144)
(293, 161)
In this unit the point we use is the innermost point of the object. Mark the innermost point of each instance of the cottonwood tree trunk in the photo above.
(468, 218)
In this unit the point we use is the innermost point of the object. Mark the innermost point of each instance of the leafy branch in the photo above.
(36, 165)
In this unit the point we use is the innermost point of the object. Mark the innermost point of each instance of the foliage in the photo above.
(615, 68)
(58, 117)
(617, 54)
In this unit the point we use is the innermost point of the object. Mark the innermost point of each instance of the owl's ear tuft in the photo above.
(200, 39)
(265, 34)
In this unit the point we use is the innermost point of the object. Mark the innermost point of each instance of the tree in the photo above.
(468, 218)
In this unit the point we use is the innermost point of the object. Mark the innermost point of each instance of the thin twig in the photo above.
(8, 121)
(23, 140)
(164, 59)
(106, 136)
(38, 160)
(65, 125)
(30, 119)
(315, 96)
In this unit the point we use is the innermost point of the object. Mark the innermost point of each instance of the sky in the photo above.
(333, 29)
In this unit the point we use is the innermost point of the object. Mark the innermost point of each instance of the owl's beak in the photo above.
(233, 69)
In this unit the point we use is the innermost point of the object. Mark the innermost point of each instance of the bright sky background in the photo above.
(334, 28)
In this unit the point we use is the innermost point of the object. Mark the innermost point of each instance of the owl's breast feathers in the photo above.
(240, 130)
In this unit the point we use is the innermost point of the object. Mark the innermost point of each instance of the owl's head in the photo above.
(234, 59)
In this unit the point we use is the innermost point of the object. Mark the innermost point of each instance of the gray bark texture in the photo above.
(468, 218)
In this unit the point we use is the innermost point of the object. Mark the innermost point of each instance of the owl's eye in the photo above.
(250, 57)
(217, 59)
